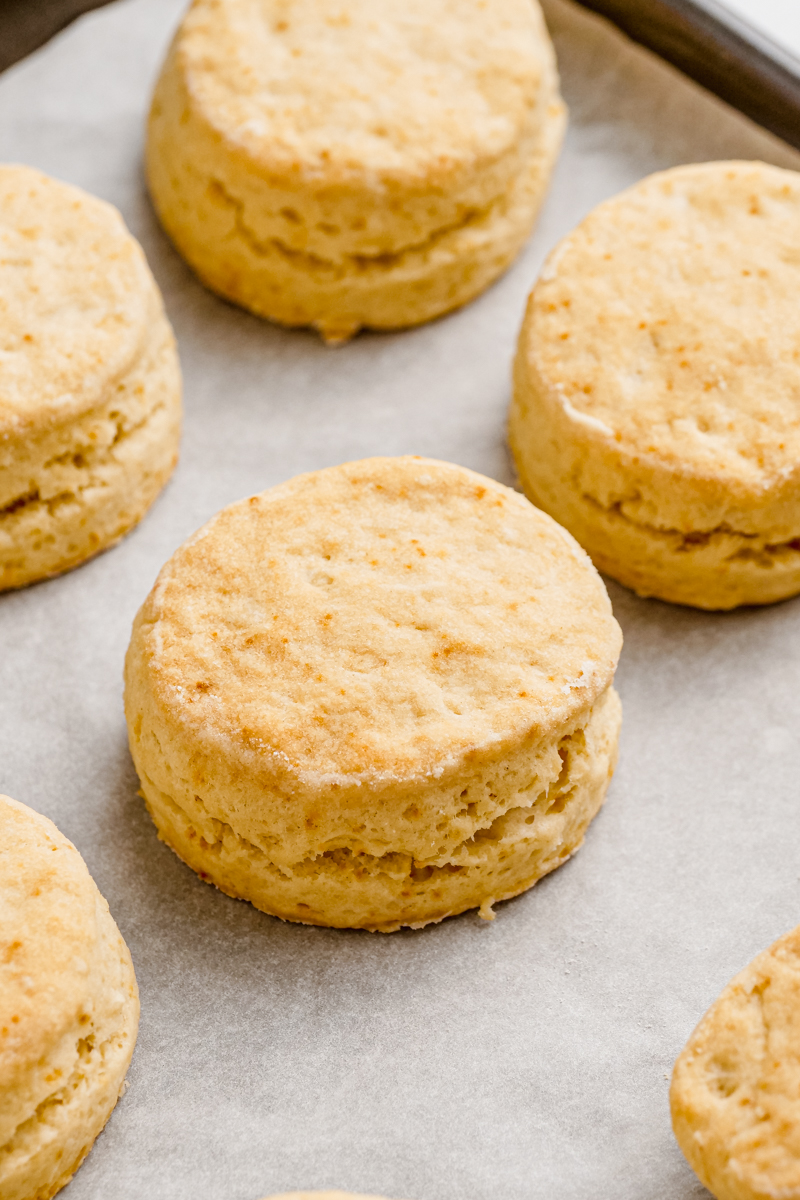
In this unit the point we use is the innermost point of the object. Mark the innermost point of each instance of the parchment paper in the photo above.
(526, 1058)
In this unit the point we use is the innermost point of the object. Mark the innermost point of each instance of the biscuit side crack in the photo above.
(350, 263)
(753, 548)
(514, 825)
(83, 459)
(87, 1056)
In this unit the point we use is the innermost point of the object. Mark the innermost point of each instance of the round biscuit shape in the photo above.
(735, 1094)
(89, 379)
(374, 696)
(354, 163)
(69, 1007)
(656, 408)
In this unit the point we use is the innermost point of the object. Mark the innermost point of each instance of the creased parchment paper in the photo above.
(526, 1058)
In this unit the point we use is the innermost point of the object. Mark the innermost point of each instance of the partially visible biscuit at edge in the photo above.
(735, 1094)
(375, 696)
(655, 410)
(354, 164)
(90, 390)
(69, 1007)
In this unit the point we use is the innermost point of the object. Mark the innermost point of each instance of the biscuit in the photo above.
(735, 1093)
(89, 379)
(69, 1007)
(655, 410)
(349, 163)
(375, 696)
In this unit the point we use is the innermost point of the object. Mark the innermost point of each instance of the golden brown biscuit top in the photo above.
(74, 299)
(668, 323)
(377, 620)
(48, 932)
(342, 88)
(737, 1083)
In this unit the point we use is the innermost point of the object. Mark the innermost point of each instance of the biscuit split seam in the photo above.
(338, 268)
(550, 798)
(696, 540)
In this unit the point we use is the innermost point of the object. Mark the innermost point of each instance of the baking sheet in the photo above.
(526, 1058)
(733, 57)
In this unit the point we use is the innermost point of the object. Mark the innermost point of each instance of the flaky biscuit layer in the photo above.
(538, 826)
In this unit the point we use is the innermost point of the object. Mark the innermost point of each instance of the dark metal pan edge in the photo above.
(27, 24)
(719, 50)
